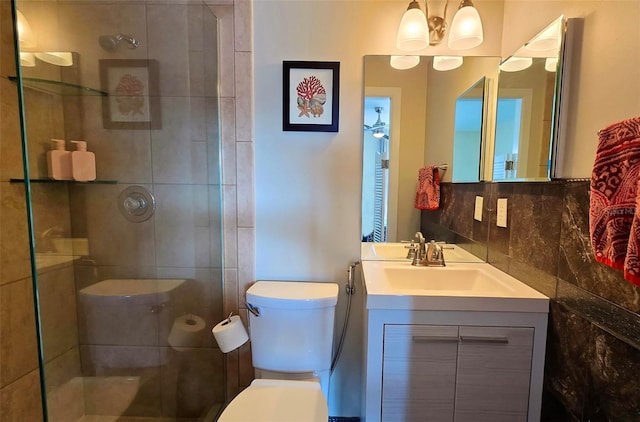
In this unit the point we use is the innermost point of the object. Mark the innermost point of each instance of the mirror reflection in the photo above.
(528, 94)
(468, 134)
(418, 117)
(409, 123)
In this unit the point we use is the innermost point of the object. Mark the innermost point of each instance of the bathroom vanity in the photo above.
(464, 342)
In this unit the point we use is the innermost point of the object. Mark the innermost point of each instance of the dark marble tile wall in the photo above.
(593, 345)
(453, 221)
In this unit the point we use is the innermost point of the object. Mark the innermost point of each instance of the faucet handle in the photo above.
(437, 253)
(413, 248)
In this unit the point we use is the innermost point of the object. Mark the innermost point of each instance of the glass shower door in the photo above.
(128, 268)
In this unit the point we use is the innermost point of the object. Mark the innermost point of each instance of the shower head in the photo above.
(111, 42)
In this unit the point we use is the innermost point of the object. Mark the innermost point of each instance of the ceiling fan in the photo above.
(378, 128)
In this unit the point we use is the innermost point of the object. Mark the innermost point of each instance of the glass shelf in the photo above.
(95, 182)
(58, 87)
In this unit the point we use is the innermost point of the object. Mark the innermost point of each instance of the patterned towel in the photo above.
(428, 191)
(614, 224)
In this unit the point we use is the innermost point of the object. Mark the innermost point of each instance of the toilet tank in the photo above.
(294, 329)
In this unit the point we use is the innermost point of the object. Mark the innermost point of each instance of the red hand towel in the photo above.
(428, 191)
(614, 223)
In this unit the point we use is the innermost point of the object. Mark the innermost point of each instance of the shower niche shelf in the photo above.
(51, 181)
(58, 87)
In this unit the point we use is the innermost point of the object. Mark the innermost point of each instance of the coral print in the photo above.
(311, 97)
(130, 96)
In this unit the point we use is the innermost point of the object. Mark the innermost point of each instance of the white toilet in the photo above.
(291, 332)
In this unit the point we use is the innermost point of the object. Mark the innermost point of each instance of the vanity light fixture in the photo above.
(466, 27)
(516, 64)
(26, 40)
(444, 63)
(551, 64)
(420, 29)
(58, 58)
(404, 62)
(25, 33)
(27, 59)
(547, 40)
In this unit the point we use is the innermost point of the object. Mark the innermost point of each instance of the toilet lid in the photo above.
(278, 401)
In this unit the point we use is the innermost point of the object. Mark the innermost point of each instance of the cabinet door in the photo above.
(418, 373)
(494, 366)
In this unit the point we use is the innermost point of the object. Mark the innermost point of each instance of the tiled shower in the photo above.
(107, 356)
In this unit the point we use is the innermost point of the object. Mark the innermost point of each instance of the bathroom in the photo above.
(302, 222)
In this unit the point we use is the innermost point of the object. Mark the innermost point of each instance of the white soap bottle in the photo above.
(83, 163)
(59, 161)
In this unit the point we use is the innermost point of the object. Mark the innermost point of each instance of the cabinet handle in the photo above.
(442, 339)
(481, 339)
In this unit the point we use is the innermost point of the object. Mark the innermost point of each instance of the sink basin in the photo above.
(385, 250)
(457, 286)
(396, 251)
(470, 278)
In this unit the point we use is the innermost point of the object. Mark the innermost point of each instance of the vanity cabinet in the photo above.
(453, 366)
(456, 373)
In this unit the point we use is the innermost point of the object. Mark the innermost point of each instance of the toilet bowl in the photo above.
(268, 400)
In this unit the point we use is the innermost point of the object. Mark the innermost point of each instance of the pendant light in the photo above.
(413, 32)
(444, 63)
(466, 28)
(404, 62)
(25, 33)
(516, 64)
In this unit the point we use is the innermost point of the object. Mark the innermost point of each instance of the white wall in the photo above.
(308, 184)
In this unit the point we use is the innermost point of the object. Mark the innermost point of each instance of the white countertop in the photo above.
(474, 286)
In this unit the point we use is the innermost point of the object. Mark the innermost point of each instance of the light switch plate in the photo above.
(502, 212)
(477, 213)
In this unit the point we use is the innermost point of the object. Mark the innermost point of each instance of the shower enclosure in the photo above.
(127, 269)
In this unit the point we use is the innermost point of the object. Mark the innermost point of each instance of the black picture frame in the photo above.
(132, 100)
(310, 96)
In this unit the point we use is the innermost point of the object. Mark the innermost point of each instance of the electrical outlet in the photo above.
(502, 212)
(477, 212)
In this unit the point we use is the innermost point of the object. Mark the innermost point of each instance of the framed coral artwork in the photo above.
(310, 96)
(132, 100)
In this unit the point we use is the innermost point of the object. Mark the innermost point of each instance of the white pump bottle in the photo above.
(83, 163)
(59, 161)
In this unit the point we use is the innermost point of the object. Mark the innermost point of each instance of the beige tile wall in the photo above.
(236, 106)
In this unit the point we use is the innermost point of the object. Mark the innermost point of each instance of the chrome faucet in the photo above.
(429, 256)
(421, 252)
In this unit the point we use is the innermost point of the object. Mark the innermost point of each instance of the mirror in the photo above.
(468, 134)
(408, 124)
(412, 113)
(527, 108)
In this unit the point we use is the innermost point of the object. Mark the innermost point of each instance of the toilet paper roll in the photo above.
(230, 334)
(186, 332)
